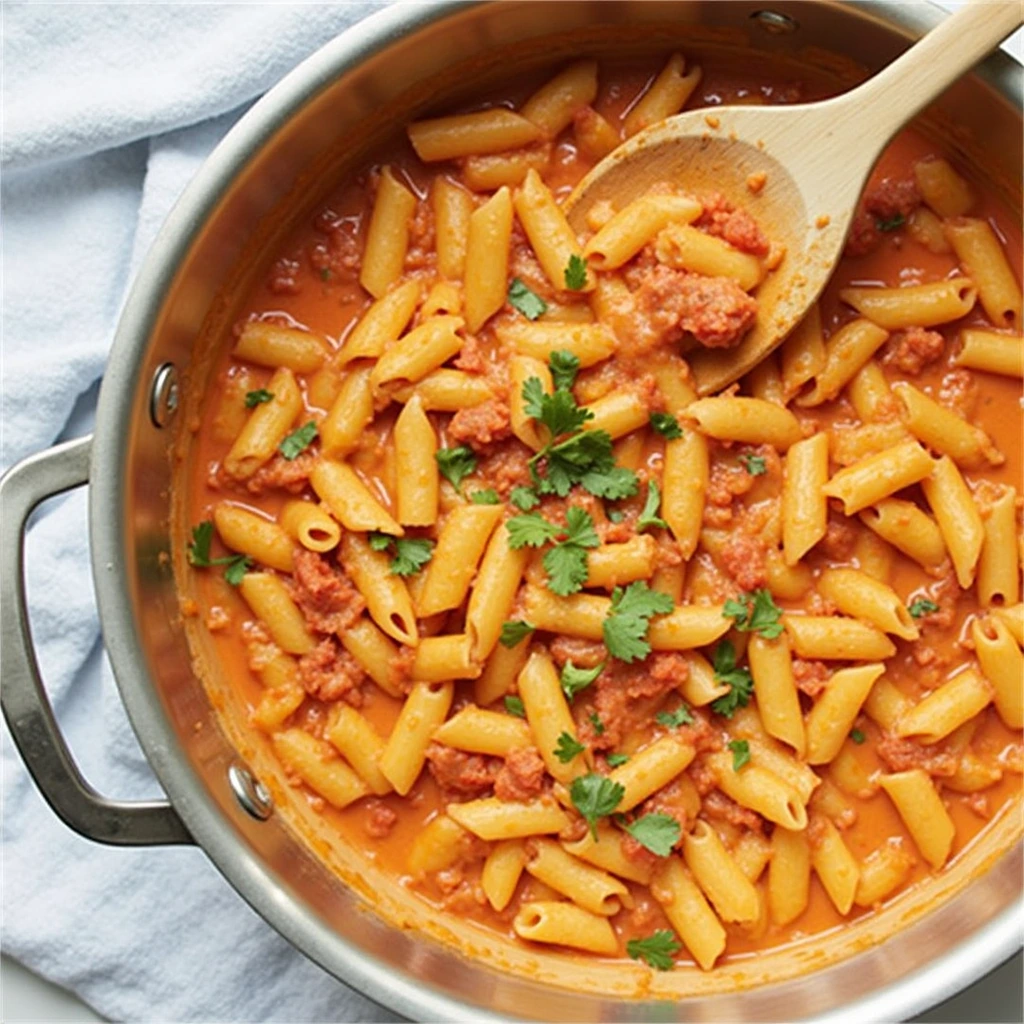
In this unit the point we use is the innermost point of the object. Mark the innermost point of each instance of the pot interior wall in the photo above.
(276, 168)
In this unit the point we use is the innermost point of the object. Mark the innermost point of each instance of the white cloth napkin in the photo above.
(108, 111)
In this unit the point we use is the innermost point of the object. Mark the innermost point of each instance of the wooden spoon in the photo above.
(816, 158)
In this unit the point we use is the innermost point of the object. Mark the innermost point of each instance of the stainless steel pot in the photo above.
(336, 105)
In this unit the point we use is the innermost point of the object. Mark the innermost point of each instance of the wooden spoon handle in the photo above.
(882, 105)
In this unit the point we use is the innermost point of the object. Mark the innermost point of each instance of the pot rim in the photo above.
(111, 557)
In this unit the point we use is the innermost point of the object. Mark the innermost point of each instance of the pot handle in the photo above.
(26, 706)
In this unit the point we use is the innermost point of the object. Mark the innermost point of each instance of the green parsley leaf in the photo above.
(557, 411)
(455, 464)
(857, 736)
(667, 425)
(579, 528)
(655, 950)
(199, 549)
(625, 628)
(595, 723)
(738, 679)
(528, 302)
(523, 498)
(595, 796)
(488, 496)
(567, 748)
(411, 554)
(740, 753)
(514, 632)
(379, 541)
(616, 516)
(514, 706)
(656, 832)
(756, 613)
(755, 465)
(891, 223)
(674, 719)
(575, 273)
(564, 366)
(298, 441)
(257, 397)
(237, 568)
(566, 562)
(649, 517)
(613, 483)
(616, 760)
(922, 607)
(530, 529)
(575, 679)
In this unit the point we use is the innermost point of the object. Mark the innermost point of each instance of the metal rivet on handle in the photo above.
(775, 23)
(250, 793)
(163, 399)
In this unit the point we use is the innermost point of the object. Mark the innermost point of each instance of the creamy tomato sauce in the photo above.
(312, 284)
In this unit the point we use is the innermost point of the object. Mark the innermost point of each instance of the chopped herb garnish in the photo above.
(530, 529)
(616, 516)
(625, 628)
(667, 425)
(739, 680)
(411, 554)
(379, 541)
(514, 632)
(656, 832)
(595, 723)
(564, 366)
(891, 223)
(566, 562)
(755, 465)
(514, 706)
(649, 517)
(298, 441)
(523, 498)
(236, 569)
(575, 679)
(616, 760)
(488, 496)
(199, 555)
(567, 748)
(922, 607)
(740, 753)
(756, 613)
(674, 719)
(576, 273)
(257, 397)
(857, 736)
(455, 464)
(595, 796)
(528, 302)
(655, 950)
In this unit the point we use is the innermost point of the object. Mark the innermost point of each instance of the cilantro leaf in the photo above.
(616, 760)
(756, 613)
(455, 464)
(527, 301)
(379, 541)
(237, 568)
(514, 632)
(257, 397)
(667, 425)
(557, 411)
(298, 441)
(649, 517)
(575, 679)
(614, 483)
(674, 719)
(625, 628)
(595, 723)
(514, 706)
(566, 566)
(567, 748)
(575, 273)
(564, 367)
(739, 680)
(199, 549)
(523, 498)
(740, 753)
(579, 528)
(655, 950)
(411, 554)
(891, 223)
(530, 529)
(921, 607)
(488, 496)
(595, 796)
(755, 465)
(857, 736)
(656, 832)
